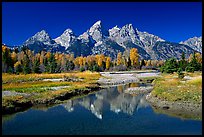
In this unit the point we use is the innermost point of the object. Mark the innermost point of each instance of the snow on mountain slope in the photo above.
(195, 43)
(66, 39)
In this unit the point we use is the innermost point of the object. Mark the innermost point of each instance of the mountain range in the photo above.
(98, 40)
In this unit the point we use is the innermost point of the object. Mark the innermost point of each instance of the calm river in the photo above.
(109, 111)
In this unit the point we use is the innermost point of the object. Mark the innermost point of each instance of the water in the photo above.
(109, 111)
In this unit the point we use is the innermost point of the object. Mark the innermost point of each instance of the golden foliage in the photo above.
(108, 60)
(198, 57)
(119, 58)
(134, 57)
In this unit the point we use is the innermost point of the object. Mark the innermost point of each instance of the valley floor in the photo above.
(169, 95)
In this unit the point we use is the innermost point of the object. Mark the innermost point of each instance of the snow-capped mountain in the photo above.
(98, 40)
(125, 34)
(195, 43)
(42, 41)
(148, 39)
(97, 31)
(41, 36)
(66, 39)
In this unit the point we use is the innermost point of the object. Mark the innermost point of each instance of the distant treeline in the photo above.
(25, 61)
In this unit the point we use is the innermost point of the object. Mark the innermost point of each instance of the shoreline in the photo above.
(182, 109)
(21, 103)
(22, 106)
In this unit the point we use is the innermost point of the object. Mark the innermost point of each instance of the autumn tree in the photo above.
(134, 57)
(198, 57)
(14, 57)
(193, 65)
(119, 58)
(108, 61)
(17, 67)
(148, 63)
(7, 63)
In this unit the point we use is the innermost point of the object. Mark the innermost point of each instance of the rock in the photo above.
(138, 90)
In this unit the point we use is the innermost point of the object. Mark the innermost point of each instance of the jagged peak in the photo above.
(98, 22)
(96, 25)
(42, 32)
(116, 27)
(192, 38)
(68, 31)
(128, 26)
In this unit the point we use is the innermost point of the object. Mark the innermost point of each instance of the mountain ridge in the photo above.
(98, 40)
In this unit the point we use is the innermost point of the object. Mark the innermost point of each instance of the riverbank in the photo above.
(20, 92)
(178, 97)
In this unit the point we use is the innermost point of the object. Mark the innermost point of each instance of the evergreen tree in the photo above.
(142, 63)
(52, 63)
(36, 66)
(193, 65)
(69, 65)
(26, 67)
(183, 62)
(170, 66)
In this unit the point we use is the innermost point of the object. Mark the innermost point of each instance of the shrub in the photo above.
(82, 69)
(180, 74)
(189, 69)
(96, 68)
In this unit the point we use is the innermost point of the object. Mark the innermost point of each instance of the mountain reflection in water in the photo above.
(114, 97)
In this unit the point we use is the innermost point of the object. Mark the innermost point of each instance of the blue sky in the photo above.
(172, 21)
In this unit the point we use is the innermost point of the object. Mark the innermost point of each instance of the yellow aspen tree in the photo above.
(76, 61)
(48, 55)
(148, 63)
(4, 48)
(108, 60)
(100, 62)
(71, 57)
(119, 58)
(84, 61)
(190, 58)
(42, 55)
(198, 57)
(20, 56)
(81, 61)
(57, 56)
(134, 57)
(36, 57)
(14, 57)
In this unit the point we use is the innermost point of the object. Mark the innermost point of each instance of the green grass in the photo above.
(170, 88)
(33, 84)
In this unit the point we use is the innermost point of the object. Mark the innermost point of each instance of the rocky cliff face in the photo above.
(42, 41)
(195, 43)
(98, 40)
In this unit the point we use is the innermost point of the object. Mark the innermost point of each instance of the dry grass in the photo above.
(173, 89)
(9, 78)
(32, 83)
